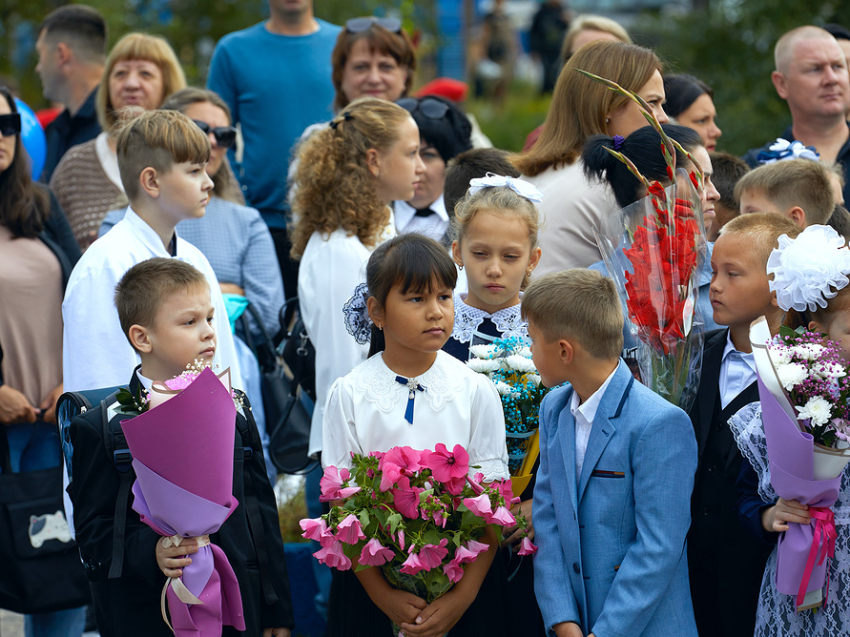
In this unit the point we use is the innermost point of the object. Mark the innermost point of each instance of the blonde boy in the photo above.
(162, 157)
(726, 562)
(612, 498)
(800, 189)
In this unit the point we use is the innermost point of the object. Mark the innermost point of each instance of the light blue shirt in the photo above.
(737, 372)
(584, 413)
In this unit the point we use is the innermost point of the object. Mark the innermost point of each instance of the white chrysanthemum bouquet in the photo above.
(811, 371)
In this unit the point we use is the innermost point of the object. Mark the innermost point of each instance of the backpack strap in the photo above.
(248, 432)
(119, 453)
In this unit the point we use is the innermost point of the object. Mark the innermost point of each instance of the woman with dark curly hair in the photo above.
(348, 173)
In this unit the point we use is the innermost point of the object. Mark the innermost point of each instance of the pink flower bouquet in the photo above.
(416, 514)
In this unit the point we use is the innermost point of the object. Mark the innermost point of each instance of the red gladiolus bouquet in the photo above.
(654, 250)
(416, 514)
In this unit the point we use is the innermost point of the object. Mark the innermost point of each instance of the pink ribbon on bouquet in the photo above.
(823, 544)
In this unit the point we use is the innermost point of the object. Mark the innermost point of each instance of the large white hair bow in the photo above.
(809, 270)
(519, 186)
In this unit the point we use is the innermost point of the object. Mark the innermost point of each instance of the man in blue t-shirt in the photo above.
(276, 78)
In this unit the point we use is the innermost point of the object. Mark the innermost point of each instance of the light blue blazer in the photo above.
(611, 543)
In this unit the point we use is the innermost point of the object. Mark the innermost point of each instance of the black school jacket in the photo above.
(129, 606)
(725, 563)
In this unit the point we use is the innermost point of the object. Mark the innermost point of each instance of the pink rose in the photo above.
(526, 547)
(349, 530)
(453, 570)
(479, 505)
(446, 465)
(317, 530)
(375, 554)
(333, 556)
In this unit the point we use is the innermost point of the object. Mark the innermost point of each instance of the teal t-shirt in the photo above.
(275, 86)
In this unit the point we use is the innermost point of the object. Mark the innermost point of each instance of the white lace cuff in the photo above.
(748, 430)
(494, 469)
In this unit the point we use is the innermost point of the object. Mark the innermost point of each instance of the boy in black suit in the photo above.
(165, 311)
(725, 563)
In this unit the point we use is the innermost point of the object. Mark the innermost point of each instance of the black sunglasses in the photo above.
(10, 124)
(225, 136)
(358, 25)
(430, 107)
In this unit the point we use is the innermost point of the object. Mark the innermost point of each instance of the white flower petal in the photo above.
(791, 375)
(520, 363)
(483, 366)
(483, 351)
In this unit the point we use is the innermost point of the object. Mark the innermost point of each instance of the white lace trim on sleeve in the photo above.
(748, 430)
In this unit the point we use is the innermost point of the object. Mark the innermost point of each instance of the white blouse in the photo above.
(365, 412)
(331, 267)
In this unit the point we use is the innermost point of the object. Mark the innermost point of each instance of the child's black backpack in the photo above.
(73, 404)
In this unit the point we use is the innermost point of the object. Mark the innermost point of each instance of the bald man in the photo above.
(811, 76)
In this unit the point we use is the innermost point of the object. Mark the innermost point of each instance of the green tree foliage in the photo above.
(730, 46)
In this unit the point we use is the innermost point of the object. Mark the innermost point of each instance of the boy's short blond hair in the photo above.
(158, 139)
(762, 231)
(793, 182)
(579, 304)
(144, 288)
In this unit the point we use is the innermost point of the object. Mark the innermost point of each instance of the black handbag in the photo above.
(300, 356)
(41, 568)
(287, 419)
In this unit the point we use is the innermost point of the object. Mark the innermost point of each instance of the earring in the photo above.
(380, 327)
(607, 120)
(460, 267)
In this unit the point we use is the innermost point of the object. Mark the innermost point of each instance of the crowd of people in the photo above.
(314, 161)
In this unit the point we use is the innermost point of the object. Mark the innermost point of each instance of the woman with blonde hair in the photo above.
(573, 205)
(141, 71)
(348, 173)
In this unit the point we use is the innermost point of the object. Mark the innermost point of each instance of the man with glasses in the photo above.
(71, 48)
(276, 78)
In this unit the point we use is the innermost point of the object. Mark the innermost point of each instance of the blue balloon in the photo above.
(33, 138)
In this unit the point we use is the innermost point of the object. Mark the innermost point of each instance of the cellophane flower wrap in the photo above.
(417, 514)
(654, 250)
(182, 444)
(507, 362)
(655, 263)
(803, 390)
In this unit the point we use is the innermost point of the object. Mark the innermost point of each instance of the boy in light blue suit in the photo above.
(617, 462)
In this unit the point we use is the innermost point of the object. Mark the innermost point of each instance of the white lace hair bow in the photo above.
(519, 186)
(809, 270)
